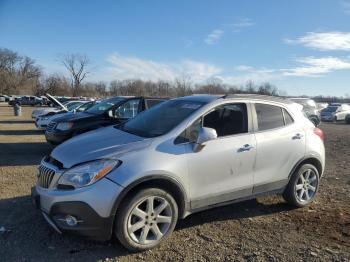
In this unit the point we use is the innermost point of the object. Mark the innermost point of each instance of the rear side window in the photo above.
(269, 116)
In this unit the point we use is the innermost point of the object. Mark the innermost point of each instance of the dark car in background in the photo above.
(27, 101)
(108, 112)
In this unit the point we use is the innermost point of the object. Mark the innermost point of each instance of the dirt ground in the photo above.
(265, 229)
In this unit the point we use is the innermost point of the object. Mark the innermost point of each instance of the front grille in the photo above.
(50, 126)
(45, 176)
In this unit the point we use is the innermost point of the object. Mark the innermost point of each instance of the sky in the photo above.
(301, 47)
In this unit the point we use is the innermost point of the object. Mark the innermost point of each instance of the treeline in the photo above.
(21, 75)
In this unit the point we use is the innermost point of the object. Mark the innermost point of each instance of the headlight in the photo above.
(88, 173)
(64, 126)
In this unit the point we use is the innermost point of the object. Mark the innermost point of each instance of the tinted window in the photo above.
(269, 116)
(287, 118)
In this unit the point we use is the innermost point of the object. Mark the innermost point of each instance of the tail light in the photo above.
(319, 133)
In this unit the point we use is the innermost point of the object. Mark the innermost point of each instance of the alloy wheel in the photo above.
(149, 220)
(306, 186)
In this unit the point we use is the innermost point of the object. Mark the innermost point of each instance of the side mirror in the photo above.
(205, 134)
(110, 113)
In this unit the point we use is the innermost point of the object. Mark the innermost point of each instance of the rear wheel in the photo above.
(303, 185)
(146, 219)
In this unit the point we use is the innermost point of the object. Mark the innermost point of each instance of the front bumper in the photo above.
(92, 207)
(57, 137)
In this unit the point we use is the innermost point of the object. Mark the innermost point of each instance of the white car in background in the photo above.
(335, 112)
(42, 121)
(58, 106)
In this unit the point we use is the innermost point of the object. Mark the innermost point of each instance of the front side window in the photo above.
(127, 110)
(104, 105)
(269, 116)
(230, 119)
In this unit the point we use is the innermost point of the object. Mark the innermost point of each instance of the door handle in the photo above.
(246, 147)
(297, 136)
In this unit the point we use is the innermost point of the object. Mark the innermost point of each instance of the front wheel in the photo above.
(146, 219)
(303, 185)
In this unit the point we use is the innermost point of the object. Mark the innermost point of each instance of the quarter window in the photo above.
(287, 118)
(269, 116)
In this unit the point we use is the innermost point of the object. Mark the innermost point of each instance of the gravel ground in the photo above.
(265, 229)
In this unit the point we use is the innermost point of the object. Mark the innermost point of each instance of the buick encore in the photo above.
(135, 180)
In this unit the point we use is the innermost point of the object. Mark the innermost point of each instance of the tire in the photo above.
(303, 185)
(136, 227)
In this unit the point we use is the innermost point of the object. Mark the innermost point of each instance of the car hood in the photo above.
(108, 142)
(42, 111)
(56, 102)
(73, 116)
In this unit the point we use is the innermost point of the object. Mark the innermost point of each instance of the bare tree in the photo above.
(76, 64)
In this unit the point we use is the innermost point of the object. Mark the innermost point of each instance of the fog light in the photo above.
(70, 220)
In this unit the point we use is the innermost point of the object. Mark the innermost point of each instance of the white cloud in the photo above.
(315, 67)
(241, 24)
(129, 67)
(326, 41)
(214, 36)
(346, 6)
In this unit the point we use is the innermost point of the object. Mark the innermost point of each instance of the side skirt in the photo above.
(236, 200)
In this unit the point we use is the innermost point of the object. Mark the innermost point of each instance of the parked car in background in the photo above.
(185, 155)
(335, 112)
(27, 101)
(309, 108)
(321, 106)
(4, 98)
(73, 107)
(57, 106)
(108, 112)
(347, 118)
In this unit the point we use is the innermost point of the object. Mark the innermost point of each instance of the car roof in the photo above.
(209, 98)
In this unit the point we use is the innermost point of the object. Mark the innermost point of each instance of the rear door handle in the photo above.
(297, 136)
(246, 147)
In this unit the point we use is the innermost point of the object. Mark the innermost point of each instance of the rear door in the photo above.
(280, 145)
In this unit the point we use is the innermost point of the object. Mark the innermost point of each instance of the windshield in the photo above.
(72, 105)
(104, 105)
(330, 109)
(161, 118)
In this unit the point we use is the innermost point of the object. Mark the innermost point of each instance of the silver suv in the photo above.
(185, 155)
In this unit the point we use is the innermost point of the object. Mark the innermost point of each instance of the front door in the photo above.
(223, 169)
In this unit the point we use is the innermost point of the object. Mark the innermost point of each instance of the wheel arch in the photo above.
(166, 183)
(313, 160)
